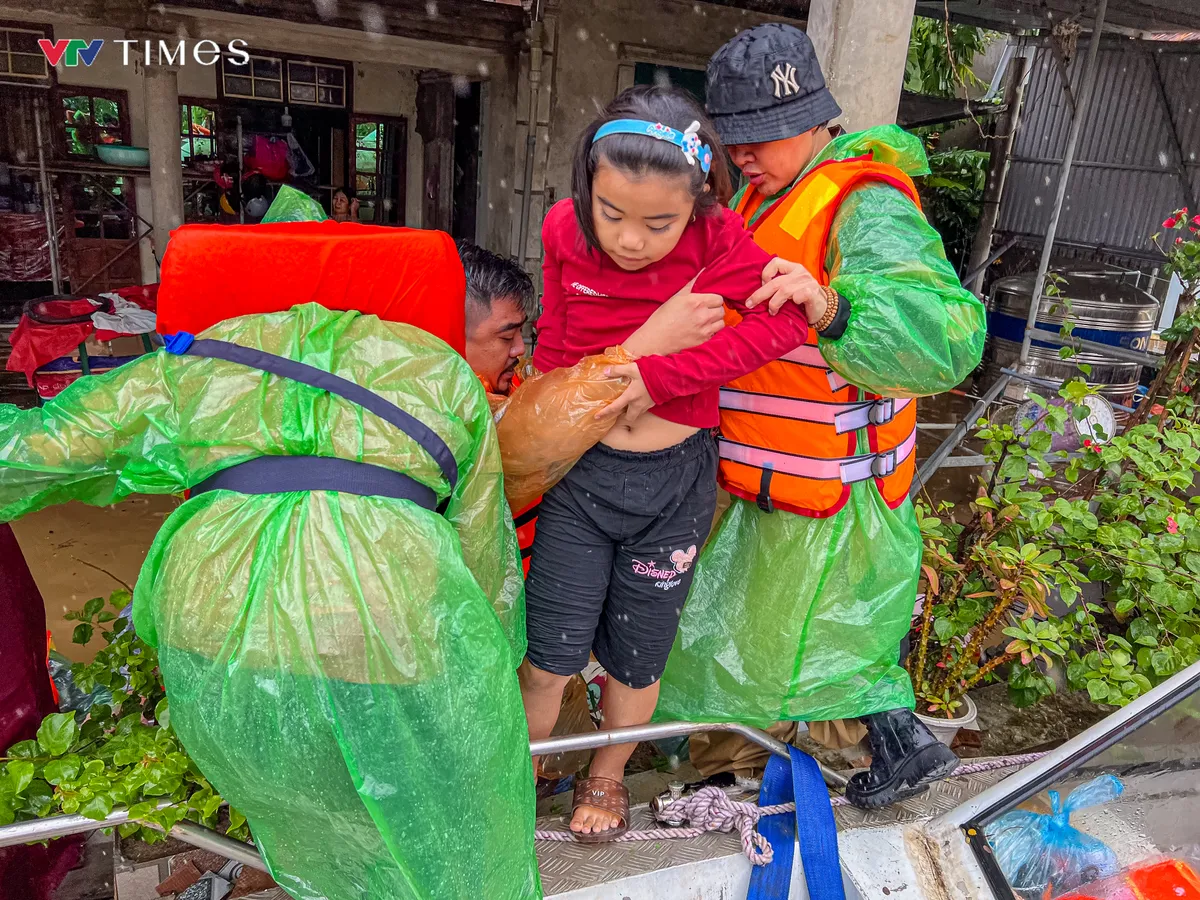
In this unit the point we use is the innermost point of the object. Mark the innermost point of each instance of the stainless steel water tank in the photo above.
(1102, 307)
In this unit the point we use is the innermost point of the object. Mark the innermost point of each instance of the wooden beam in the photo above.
(1128, 16)
(787, 9)
(472, 23)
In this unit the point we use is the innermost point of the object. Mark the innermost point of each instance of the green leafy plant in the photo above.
(1180, 244)
(939, 64)
(940, 57)
(1115, 517)
(952, 196)
(120, 753)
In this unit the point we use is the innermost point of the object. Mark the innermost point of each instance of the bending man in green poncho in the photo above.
(803, 596)
(338, 607)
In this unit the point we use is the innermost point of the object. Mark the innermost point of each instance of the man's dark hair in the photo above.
(491, 276)
(639, 154)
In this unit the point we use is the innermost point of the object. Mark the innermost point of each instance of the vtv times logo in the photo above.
(73, 51)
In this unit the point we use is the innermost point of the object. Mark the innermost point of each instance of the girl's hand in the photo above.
(784, 280)
(685, 321)
(636, 399)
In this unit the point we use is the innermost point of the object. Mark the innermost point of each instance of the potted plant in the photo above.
(118, 752)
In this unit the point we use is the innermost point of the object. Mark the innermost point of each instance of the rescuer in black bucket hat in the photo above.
(807, 589)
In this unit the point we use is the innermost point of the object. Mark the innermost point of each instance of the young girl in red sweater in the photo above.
(617, 537)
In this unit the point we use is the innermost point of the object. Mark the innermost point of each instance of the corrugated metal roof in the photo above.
(1126, 177)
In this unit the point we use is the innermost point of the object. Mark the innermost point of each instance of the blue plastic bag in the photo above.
(1036, 851)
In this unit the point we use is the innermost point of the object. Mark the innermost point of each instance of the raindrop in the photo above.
(462, 87)
(503, 183)
(326, 8)
(482, 69)
(1037, 201)
(372, 19)
(431, 9)
(582, 34)
(1163, 160)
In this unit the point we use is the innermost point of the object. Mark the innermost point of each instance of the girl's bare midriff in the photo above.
(647, 433)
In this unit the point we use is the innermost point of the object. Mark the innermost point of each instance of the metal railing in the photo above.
(37, 830)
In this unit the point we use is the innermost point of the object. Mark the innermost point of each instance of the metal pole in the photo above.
(47, 201)
(637, 733)
(1060, 763)
(535, 80)
(955, 437)
(1002, 144)
(1153, 360)
(37, 830)
(215, 842)
(1064, 174)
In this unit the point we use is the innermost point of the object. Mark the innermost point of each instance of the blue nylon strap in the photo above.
(184, 343)
(282, 474)
(801, 781)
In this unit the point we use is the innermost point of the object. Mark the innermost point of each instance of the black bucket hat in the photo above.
(766, 85)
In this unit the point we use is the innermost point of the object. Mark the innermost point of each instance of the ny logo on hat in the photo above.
(784, 79)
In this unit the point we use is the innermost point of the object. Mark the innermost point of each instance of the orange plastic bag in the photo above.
(550, 421)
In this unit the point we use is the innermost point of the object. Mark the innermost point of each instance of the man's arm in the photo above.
(913, 329)
(103, 438)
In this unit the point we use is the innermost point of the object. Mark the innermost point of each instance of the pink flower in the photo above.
(1172, 525)
(1170, 223)
(1156, 409)
(1179, 240)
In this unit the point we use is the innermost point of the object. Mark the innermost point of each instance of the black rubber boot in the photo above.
(905, 759)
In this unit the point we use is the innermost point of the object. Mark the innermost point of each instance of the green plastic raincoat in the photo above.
(795, 618)
(342, 668)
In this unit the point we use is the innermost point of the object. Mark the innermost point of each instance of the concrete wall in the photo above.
(387, 90)
(597, 39)
(588, 54)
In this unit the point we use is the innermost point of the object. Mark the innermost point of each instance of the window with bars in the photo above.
(197, 131)
(379, 165)
(317, 83)
(21, 60)
(260, 78)
(93, 118)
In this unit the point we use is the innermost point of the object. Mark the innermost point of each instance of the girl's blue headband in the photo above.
(687, 141)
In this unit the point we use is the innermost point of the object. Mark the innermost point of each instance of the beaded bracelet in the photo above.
(831, 309)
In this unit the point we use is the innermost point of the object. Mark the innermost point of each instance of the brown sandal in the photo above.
(608, 795)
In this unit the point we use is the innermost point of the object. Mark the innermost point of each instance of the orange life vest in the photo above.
(790, 430)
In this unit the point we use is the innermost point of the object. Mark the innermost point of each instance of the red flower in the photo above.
(1170, 223)
(1179, 240)
(1087, 442)
(1172, 525)
(1156, 409)
(1196, 220)
(1187, 389)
